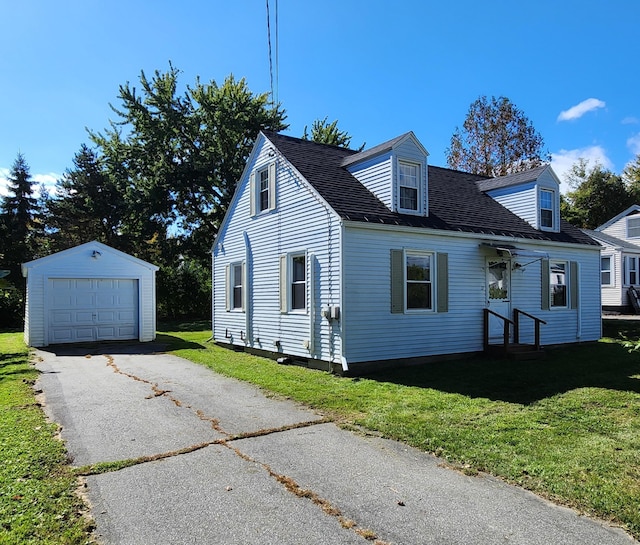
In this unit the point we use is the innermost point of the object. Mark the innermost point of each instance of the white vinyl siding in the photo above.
(376, 332)
(299, 223)
(77, 264)
(376, 174)
(521, 200)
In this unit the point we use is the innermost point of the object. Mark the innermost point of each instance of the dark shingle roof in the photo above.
(511, 179)
(455, 201)
(611, 240)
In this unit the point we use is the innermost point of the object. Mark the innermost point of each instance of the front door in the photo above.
(498, 295)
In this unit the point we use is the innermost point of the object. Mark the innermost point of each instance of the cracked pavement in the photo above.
(220, 462)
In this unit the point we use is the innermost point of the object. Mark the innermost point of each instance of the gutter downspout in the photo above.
(343, 359)
(579, 302)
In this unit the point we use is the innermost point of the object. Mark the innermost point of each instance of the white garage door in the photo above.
(92, 309)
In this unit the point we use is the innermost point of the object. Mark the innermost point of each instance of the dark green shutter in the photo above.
(545, 296)
(442, 278)
(573, 285)
(397, 281)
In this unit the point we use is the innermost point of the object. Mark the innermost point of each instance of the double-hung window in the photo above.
(298, 282)
(235, 287)
(408, 184)
(631, 270)
(558, 283)
(263, 189)
(419, 281)
(293, 282)
(546, 209)
(633, 227)
(419, 284)
(605, 271)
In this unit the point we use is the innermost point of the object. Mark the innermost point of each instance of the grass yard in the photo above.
(37, 500)
(566, 427)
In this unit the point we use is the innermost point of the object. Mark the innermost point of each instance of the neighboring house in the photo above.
(89, 293)
(620, 259)
(345, 259)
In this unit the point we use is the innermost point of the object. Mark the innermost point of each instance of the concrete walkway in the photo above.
(221, 463)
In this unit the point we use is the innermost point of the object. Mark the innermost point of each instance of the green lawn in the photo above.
(566, 427)
(38, 504)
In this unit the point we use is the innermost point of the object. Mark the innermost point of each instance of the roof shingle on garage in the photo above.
(456, 200)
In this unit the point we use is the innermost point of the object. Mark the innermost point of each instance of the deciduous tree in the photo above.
(597, 195)
(496, 139)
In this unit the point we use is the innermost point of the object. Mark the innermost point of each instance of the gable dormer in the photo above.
(396, 173)
(626, 225)
(533, 195)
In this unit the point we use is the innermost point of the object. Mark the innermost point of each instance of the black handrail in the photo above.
(537, 322)
(505, 332)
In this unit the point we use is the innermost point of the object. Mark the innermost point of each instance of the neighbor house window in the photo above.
(605, 270)
(409, 176)
(558, 283)
(633, 227)
(631, 270)
(546, 208)
(293, 282)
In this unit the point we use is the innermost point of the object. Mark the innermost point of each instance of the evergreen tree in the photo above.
(19, 217)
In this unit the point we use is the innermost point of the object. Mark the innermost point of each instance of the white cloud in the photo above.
(630, 121)
(633, 144)
(563, 160)
(49, 181)
(4, 174)
(579, 110)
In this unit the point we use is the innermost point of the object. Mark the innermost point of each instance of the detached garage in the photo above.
(89, 293)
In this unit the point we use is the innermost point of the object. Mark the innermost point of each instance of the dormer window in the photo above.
(408, 183)
(546, 209)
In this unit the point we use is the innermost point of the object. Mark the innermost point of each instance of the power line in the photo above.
(274, 89)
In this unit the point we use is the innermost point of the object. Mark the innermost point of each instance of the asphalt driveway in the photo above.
(222, 463)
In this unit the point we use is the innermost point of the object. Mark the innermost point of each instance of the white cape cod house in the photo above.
(347, 260)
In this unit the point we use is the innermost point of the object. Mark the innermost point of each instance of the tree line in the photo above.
(157, 181)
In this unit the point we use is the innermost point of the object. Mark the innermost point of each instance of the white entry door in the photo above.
(92, 309)
(498, 295)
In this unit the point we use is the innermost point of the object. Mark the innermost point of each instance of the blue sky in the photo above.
(380, 68)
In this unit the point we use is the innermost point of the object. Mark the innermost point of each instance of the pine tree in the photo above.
(19, 220)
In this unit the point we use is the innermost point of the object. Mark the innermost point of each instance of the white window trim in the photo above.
(567, 288)
(627, 278)
(254, 189)
(286, 283)
(610, 271)
(230, 285)
(419, 195)
(629, 219)
(432, 282)
(554, 218)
